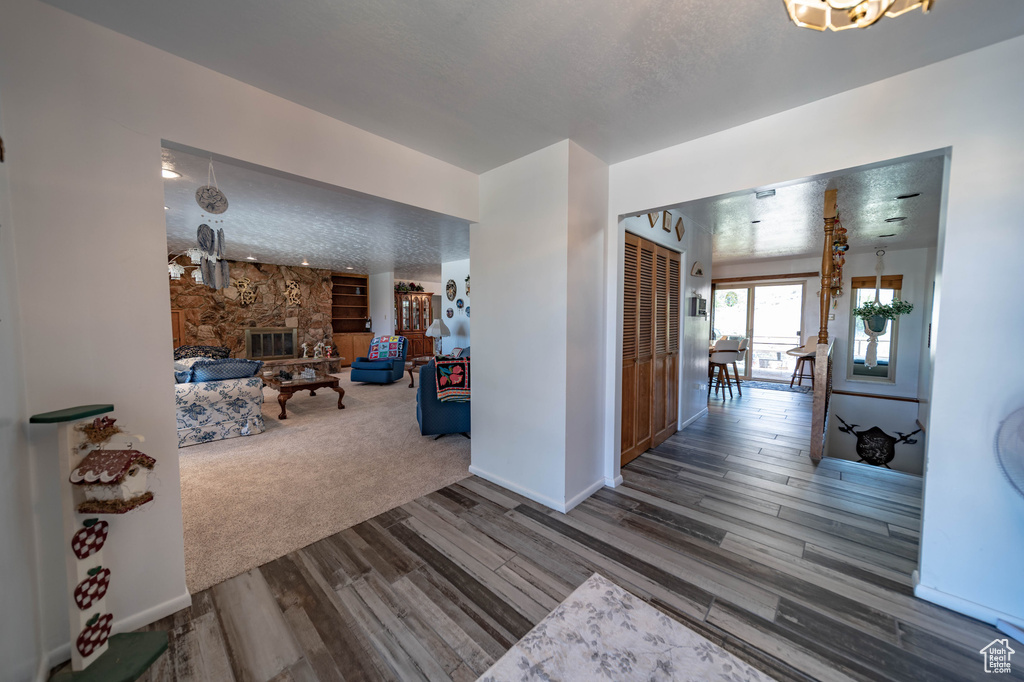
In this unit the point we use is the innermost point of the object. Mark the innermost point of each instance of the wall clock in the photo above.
(450, 290)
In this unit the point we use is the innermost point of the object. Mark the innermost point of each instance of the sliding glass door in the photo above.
(770, 316)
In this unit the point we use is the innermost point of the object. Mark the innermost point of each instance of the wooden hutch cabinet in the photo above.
(413, 316)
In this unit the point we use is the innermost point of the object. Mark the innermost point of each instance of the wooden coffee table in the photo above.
(287, 389)
(411, 365)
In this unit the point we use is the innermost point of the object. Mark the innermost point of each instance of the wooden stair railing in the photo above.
(823, 356)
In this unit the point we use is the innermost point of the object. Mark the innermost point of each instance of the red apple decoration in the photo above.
(92, 589)
(89, 540)
(95, 634)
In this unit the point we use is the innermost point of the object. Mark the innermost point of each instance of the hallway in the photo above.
(803, 571)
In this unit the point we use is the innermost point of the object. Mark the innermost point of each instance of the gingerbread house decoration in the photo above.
(113, 481)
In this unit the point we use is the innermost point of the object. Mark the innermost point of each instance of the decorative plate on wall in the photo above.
(467, 311)
(449, 312)
(459, 303)
(450, 290)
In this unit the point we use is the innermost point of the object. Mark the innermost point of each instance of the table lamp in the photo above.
(436, 330)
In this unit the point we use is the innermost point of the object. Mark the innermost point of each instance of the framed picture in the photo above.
(697, 270)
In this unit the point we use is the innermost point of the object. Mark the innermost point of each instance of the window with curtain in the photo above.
(862, 291)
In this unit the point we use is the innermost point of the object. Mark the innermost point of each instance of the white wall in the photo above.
(584, 324)
(382, 302)
(458, 323)
(536, 375)
(975, 103)
(20, 645)
(85, 110)
(913, 264)
(519, 415)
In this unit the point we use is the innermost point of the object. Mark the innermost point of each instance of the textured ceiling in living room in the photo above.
(789, 224)
(284, 220)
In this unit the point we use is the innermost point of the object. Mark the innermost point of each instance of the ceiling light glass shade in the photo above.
(175, 270)
(839, 15)
(195, 255)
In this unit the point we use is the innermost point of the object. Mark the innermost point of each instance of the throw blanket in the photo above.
(386, 347)
(452, 379)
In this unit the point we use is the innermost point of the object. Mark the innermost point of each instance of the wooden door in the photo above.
(178, 327)
(666, 347)
(650, 344)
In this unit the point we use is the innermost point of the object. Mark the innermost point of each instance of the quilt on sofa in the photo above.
(214, 410)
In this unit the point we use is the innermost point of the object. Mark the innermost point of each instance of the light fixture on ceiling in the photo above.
(764, 194)
(305, 262)
(839, 15)
(893, 234)
(348, 267)
(250, 257)
(909, 196)
(898, 219)
(169, 174)
(167, 208)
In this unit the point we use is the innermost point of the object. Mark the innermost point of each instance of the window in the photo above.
(863, 289)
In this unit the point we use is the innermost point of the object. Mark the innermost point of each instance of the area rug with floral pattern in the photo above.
(602, 632)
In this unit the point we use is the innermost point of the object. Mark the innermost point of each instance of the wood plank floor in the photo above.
(802, 570)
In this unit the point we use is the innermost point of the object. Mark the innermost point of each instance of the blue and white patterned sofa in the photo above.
(214, 410)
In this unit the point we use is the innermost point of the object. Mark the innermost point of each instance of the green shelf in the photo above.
(129, 656)
(70, 414)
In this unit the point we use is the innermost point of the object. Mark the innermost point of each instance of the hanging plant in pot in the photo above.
(877, 315)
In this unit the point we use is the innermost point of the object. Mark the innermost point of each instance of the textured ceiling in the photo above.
(284, 220)
(791, 221)
(482, 82)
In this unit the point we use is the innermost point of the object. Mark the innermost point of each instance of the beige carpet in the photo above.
(248, 500)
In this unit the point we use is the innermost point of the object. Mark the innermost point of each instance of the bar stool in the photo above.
(726, 352)
(740, 357)
(804, 356)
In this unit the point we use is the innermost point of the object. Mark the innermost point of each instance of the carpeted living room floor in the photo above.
(248, 500)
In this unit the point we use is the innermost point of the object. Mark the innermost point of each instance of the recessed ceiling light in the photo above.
(168, 173)
(765, 194)
(348, 268)
(250, 257)
(305, 262)
(898, 219)
(909, 196)
(167, 208)
(887, 235)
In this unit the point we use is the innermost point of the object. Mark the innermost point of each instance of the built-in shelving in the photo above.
(349, 303)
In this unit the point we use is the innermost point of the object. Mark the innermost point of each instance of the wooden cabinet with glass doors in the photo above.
(413, 316)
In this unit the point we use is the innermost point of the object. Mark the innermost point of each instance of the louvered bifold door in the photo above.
(666, 361)
(630, 271)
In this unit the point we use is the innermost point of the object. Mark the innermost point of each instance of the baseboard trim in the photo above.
(693, 419)
(133, 622)
(964, 606)
(613, 482)
(516, 488)
(584, 494)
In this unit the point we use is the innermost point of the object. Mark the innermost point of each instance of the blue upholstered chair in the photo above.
(380, 371)
(437, 418)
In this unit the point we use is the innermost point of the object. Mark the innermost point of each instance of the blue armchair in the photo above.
(384, 371)
(435, 417)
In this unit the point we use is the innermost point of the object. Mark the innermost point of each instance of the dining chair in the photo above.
(804, 356)
(726, 352)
